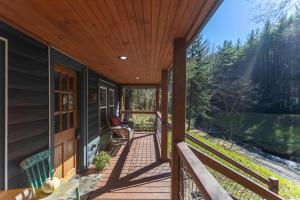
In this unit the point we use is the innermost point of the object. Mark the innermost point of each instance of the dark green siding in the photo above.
(27, 100)
(2, 114)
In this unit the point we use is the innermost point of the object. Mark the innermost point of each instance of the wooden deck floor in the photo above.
(136, 174)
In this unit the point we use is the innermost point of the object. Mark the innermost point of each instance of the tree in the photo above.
(273, 10)
(233, 97)
(198, 95)
(198, 80)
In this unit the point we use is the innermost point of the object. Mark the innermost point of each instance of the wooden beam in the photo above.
(164, 115)
(178, 115)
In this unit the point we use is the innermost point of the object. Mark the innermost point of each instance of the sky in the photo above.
(231, 21)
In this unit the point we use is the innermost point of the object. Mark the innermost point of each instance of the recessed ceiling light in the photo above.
(137, 78)
(123, 57)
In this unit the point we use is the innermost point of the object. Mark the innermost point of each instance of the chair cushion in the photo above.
(115, 121)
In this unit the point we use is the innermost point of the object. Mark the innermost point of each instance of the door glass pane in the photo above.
(57, 82)
(65, 101)
(57, 123)
(71, 119)
(71, 101)
(64, 82)
(64, 121)
(57, 97)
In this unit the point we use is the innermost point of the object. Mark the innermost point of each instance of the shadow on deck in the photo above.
(136, 174)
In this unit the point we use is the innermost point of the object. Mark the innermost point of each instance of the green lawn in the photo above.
(277, 133)
(287, 189)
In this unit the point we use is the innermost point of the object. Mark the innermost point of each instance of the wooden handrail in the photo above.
(229, 160)
(233, 175)
(138, 112)
(205, 182)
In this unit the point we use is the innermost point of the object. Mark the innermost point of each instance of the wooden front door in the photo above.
(66, 122)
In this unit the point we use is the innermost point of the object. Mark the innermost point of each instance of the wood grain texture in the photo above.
(178, 109)
(164, 115)
(65, 141)
(208, 186)
(97, 32)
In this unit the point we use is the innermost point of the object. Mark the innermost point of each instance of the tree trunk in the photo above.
(189, 124)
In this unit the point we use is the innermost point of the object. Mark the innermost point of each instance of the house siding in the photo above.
(97, 136)
(28, 104)
(30, 64)
(2, 114)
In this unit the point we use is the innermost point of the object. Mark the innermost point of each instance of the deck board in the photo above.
(136, 174)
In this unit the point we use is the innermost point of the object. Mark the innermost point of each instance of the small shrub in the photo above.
(101, 160)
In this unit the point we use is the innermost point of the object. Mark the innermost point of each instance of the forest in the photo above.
(249, 90)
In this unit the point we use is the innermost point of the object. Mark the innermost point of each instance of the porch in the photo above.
(136, 173)
(105, 48)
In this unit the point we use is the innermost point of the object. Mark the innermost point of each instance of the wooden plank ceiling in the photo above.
(97, 32)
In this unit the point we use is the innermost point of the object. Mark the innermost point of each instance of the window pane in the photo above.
(65, 101)
(102, 97)
(57, 123)
(64, 82)
(64, 121)
(71, 101)
(71, 84)
(111, 111)
(71, 120)
(57, 82)
(56, 101)
(111, 97)
(102, 117)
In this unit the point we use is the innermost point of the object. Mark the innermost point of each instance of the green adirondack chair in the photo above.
(38, 168)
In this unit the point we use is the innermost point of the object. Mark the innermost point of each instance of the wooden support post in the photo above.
(178, 115)
(120, 91)
(157, 98)
(164, 115)
(274, 185)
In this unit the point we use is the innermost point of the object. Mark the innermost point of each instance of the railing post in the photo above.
(164, 115)
(274, 185)
(178, 114)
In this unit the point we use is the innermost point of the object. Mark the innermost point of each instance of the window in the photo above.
(111, 97)
(102, 107)
(64, 101)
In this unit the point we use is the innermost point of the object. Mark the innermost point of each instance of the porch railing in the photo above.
(196, 182)
(143, 120)
(241, 184)
(272, 183)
